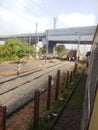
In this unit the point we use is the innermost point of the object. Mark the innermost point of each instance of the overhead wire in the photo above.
(50, 11)
(44, 9)
(19, 14)
(47, 10)
(28, 9)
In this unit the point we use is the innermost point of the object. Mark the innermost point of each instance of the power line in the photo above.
(27, 19)
(46, 9)
(19, 14)
(51, 11)
(28, 9)
(42, 8)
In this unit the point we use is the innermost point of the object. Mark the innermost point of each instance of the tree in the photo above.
(61, 50)
(14, 49)
(43, 49)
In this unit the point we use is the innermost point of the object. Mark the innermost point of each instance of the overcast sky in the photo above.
(21, 16)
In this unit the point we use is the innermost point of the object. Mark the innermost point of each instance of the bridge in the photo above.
(74, 35)
(28, 37)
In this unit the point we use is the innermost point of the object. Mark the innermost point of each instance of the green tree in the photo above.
(14, 49)
(61, 50)
(43, 49)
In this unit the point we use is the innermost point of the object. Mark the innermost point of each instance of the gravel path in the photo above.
(70, 118)
(25, 92)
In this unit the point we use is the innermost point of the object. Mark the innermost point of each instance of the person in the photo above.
(87, 58)
(18, 68)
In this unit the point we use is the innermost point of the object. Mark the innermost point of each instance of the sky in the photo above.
(29, 16)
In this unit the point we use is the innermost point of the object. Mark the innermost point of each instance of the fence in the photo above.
(55, 87)
(2, 117)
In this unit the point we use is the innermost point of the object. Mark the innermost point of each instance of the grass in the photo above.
(77, 99)
(76, 102)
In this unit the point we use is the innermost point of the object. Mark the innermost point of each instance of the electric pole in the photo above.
(36, 40)
(36, 28)
(55, 21)
(46, 46)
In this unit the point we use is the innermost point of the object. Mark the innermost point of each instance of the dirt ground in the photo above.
(8, 69)
(21, 119)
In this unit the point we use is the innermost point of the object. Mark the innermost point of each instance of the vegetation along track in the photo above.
(18, 91)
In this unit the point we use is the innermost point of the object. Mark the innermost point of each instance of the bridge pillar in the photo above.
(36, 51)
(51, 47)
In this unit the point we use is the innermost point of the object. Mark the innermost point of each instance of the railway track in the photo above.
(10, 78)
(17, 91)
(38, 73)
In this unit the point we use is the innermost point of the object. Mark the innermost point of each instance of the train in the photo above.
(72, 55)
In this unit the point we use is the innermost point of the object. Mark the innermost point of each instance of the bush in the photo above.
(14, 49)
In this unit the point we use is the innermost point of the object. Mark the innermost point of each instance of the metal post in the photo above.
(2, 117)
(55, 21)
(36, 28)
(78, 49)
(46, 46)
(78, 46)
(37, 39)
(49, 92)
(57, 85)
(36, 108)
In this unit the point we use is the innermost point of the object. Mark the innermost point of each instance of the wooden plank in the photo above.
(36, 108)
(2, 117)
(49, 92)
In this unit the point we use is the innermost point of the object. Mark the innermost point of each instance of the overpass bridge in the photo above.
(32, 38)
(74, 35)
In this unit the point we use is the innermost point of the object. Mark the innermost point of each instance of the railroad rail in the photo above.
(28, 80)
(23, 75)
(17, 91)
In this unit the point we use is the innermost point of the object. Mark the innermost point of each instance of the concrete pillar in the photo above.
(37, 49)
(51, 47)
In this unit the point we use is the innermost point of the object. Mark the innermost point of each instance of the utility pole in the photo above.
(55, 21)
(54, 27)
(36, 28)
(30, 39)
(46, 46)
(36, 39)
(78, 48)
